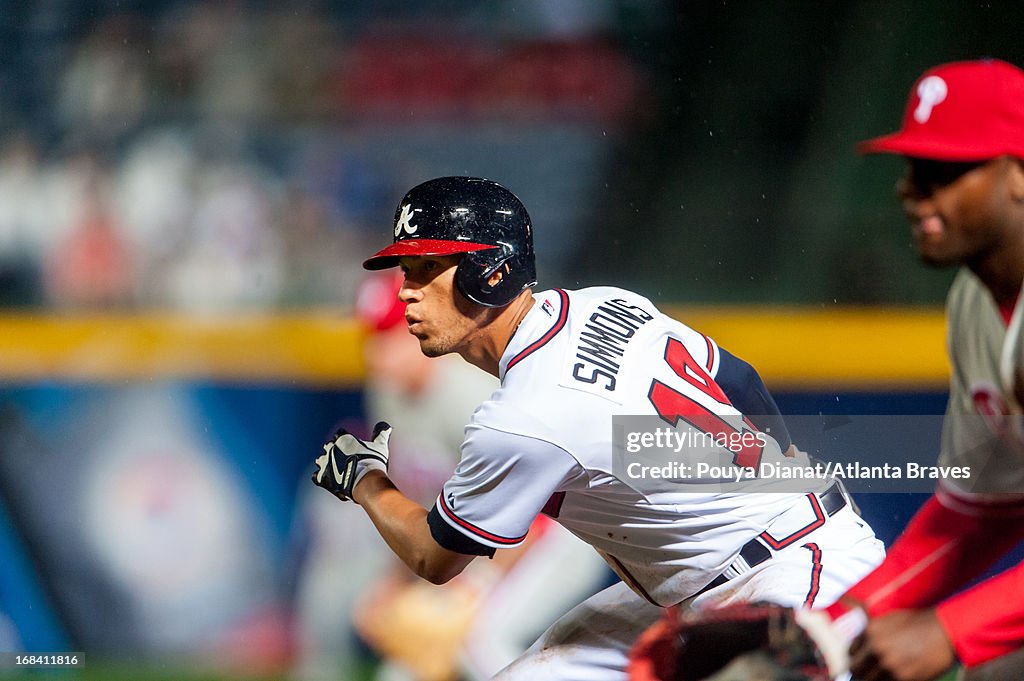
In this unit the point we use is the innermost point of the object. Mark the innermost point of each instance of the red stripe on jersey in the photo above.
(563, 315)
(819, 520)
(711, 354)
(1006, 311)
(812, 593)
(631, 581)
(497, 539)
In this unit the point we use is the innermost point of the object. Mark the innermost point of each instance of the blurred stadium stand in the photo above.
(220, 156)
(233, 156)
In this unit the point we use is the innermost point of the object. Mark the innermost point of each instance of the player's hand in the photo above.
(831, 639)
(346, 459)
(904, 645)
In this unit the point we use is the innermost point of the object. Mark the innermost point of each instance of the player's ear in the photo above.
(498, 275)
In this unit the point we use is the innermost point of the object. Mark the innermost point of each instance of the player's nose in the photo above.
(408, 293)
(914, 200)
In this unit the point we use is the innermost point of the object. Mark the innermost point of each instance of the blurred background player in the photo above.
(473, 626)
(963, 193)
(350, 581)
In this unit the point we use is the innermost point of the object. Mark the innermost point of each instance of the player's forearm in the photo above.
(940, 550)
(986, 621)
(402, 523)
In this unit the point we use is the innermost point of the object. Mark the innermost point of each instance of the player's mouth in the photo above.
(927, 228)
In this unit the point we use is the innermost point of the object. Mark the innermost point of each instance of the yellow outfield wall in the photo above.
(797, 348)
(834, 348)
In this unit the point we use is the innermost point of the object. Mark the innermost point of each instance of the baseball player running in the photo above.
(568, 361)
(963, 193)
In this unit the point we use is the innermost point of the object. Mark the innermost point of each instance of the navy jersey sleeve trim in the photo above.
(478, 531)
(748, 393)
(453, 540)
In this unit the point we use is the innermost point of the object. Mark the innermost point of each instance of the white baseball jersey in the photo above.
(982, 425)
(543, 441)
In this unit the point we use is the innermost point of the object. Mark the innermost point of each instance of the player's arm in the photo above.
(402, 524)
(499, 487)
(743, 386)
(502, 482)
(352, 468)
(977, 626)
(987, 621)
(950, 541)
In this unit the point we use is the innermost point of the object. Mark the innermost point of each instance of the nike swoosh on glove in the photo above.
(346, 459)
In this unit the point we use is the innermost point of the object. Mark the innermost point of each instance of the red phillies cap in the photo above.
(377, 303)
(962, 111)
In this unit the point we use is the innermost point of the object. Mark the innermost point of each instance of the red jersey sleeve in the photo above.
(987, 621)
(947, 543)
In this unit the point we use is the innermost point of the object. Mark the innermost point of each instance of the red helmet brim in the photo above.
(388, 257)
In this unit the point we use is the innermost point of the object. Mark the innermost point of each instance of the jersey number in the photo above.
(672, 405)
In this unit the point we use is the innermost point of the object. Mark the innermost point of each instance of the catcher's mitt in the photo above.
(740, 642)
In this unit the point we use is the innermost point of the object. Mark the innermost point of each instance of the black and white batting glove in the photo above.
(346, 459)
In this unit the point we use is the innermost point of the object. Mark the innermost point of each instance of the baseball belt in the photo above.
(759, 549)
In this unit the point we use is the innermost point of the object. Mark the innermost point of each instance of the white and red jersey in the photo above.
(982, 426)
(544, 442)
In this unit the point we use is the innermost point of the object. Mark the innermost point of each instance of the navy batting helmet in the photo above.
(469, 215)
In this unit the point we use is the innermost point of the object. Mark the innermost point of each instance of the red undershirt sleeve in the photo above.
(986, 621)
(945, 545)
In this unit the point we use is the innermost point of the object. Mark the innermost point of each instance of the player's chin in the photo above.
(937, 259)
(935, 254)
(432, 347)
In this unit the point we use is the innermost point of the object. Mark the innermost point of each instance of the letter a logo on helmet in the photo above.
(402, 222)
(472, 216)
